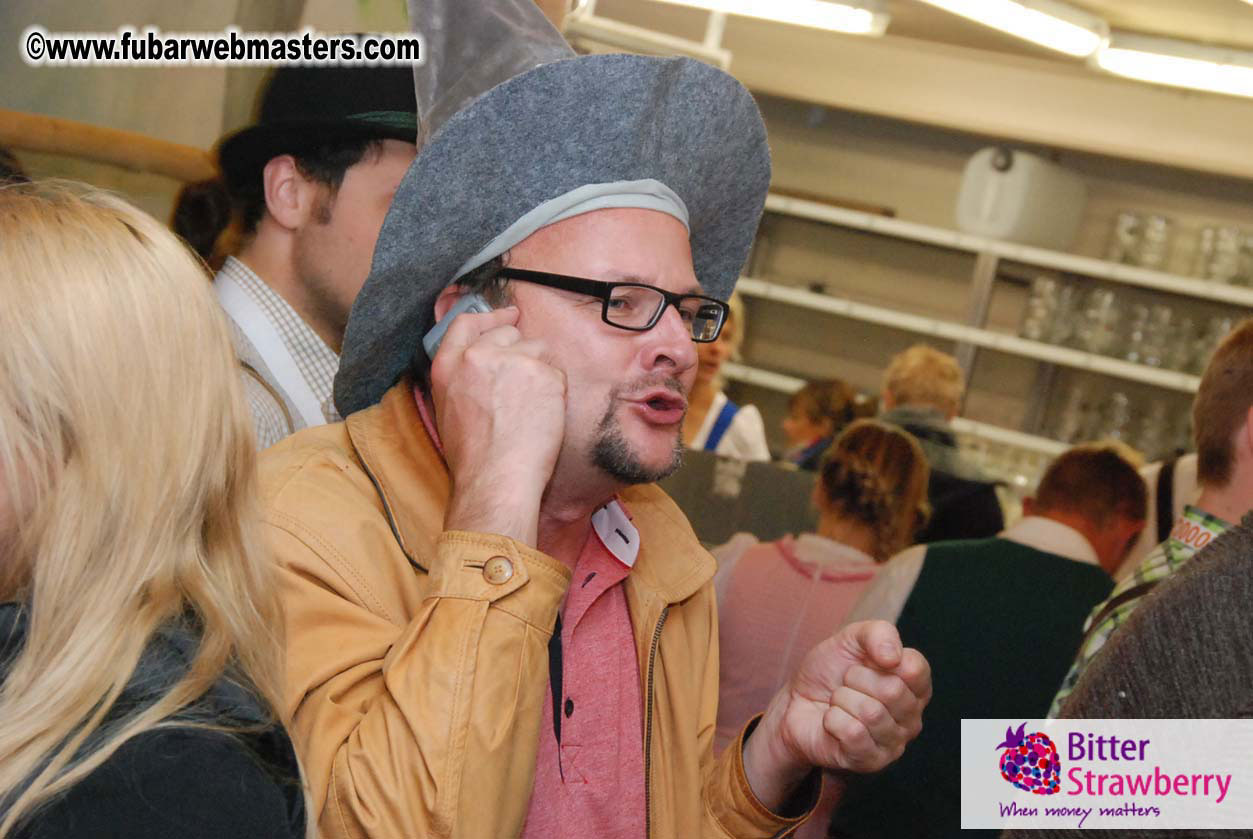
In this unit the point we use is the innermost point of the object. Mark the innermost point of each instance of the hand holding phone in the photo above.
(500, 408)
(468, 303)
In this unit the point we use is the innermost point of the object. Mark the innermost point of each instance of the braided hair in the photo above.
(876, 475)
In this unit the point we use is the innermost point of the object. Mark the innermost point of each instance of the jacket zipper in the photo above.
(648, 727)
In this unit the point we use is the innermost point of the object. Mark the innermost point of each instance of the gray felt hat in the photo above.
(532, 139)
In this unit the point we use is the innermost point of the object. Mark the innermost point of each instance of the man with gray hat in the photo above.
(311, 182)
(496, 624)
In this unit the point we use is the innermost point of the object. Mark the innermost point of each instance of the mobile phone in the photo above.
(468, 303)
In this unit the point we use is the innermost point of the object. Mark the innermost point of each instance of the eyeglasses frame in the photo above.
(604, 291)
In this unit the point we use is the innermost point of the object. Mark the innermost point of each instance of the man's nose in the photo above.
(672, 342)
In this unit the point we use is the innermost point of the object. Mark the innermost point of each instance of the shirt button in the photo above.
(498, 570)
(569, 707)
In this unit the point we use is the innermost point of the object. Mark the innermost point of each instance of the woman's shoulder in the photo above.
(747, 435)
(194, 783)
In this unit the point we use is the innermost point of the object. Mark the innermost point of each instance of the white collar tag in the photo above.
(616, 533)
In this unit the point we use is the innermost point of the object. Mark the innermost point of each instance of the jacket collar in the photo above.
(413, 483)
(407, 470)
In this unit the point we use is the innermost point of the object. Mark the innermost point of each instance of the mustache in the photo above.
(647, 383)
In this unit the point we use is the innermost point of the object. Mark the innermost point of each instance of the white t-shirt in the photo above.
(745, 437)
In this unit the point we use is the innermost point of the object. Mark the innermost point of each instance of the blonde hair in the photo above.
(732, 333)
(923, 375)
(736, 315)
(876, 474)
(127, 453)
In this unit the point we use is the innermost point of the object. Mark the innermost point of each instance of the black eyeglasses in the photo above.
(636, 306)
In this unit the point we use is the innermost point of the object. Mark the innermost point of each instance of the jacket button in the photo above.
(498, 570)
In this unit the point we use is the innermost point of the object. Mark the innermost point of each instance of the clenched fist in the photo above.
(853, 705)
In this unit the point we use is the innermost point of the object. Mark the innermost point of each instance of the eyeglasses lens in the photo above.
(636, 307)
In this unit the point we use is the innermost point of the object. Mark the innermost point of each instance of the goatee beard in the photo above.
(612, 452)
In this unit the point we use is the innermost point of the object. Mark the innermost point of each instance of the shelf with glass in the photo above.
(974, 336)
(1009, 251)
(784, 383)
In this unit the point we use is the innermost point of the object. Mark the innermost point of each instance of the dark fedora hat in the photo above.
(305, 107)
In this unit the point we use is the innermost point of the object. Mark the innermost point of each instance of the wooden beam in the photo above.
(126, 149)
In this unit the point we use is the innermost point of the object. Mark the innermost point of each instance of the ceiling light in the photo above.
(1045, 22)
(588, 31)
(1179, 64)
(838, 17)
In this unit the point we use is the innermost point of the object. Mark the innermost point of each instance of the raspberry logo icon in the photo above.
(1030, 762)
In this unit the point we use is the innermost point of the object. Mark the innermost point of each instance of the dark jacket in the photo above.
(963, 501)
(810, 457)
(180, 781)
(964, 616)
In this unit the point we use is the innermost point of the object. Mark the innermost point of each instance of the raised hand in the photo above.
(853, 705)
(500, 409)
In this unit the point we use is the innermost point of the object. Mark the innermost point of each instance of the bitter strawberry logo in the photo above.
(1030, 762)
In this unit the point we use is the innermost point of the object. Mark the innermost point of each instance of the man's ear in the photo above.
(1130, 529)
(289, 195)
(447, 299)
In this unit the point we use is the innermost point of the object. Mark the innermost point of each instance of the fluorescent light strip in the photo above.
(817, 14)
(1178, 64)
(1049, 24)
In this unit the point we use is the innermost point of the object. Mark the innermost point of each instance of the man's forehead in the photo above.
(615, 244)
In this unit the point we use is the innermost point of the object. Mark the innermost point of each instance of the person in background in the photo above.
(1186, 653)
(1000, 618)
(201, 216)
(310, 184)
(816, 414)
(1172, 487)
(139, 619)
(713, 422)
(1222, 427)
(777, 600)
(922, 390)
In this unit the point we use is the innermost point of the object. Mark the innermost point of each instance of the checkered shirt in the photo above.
(316, 361)
(1193, 530)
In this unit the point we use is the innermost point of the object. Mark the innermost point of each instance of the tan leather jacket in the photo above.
(417, 658)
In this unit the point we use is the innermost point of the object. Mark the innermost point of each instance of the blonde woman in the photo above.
(713, 422)
(137, 647)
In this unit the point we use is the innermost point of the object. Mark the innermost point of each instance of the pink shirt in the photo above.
(592, 783)
(776, 601)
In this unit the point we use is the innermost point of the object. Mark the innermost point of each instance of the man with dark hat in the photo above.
(311, 183)
(497, 625)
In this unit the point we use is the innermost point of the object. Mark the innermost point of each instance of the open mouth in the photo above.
(664, 403)
(661, 407)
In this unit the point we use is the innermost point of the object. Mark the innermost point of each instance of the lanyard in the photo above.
(264, 336)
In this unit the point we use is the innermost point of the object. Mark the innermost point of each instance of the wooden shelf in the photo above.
(1037, 257)
(996, 341)
(790, 384)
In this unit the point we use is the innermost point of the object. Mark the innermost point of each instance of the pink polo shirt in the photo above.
(592, 782)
